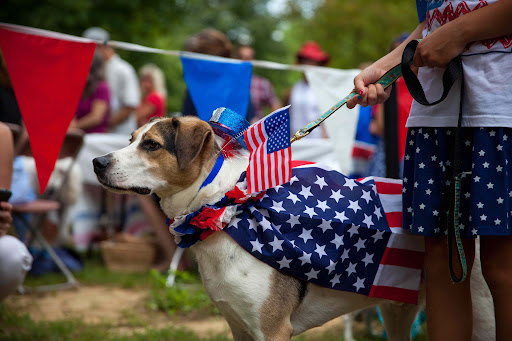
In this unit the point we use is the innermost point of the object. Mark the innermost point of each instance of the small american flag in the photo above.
(268, 141)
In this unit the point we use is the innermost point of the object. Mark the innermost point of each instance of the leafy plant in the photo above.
(186, 296)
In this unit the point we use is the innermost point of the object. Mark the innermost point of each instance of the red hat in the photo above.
(313, 51)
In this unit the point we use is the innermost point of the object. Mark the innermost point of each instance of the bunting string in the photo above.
(264, 64)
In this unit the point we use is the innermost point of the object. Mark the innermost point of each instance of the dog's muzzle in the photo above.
(101, 164)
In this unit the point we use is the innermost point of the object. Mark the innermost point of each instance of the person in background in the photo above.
(93, 110)
(154, 93)
(122, 80)
(208, 41)
(262, 92)
(215, 43)
(15, 260)
(304, 106)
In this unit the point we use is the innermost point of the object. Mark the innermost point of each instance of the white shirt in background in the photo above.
(124, 86)
(304, 108)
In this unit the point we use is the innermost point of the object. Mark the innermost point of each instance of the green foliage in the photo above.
(186, 296)
(353, 31)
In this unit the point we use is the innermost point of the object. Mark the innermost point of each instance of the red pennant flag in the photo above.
(48, 76)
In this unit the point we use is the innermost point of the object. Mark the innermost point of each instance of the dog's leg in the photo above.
(239, 333)
(398, 319)
(285, 295)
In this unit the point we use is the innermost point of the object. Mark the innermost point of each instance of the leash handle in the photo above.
(386, 80)
(451, 73)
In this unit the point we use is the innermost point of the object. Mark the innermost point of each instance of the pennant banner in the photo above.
(214, 85)
(329, 85)
(48, 76)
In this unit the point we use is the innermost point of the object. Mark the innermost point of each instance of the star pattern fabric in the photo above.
(320, 227)
(327, 229)
(486, 191)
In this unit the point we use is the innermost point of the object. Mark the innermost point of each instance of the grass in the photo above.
(15, 327)
(186, 300)
(94, 272)
(185, 297)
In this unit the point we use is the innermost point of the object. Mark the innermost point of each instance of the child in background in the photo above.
(154, 93)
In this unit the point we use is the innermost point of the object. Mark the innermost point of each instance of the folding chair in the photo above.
(49, 203)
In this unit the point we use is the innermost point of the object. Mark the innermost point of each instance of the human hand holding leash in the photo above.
(368, 92)
(440, 47)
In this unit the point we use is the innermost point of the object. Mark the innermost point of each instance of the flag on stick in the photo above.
(268, 141)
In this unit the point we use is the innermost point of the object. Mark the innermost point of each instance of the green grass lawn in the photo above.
(186, 301)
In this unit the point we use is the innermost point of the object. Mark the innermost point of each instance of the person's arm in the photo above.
(370, 94)
(143, 112)
(6, 164)
(436, 49)
(449, 40)
(99, 109)
(120, 116)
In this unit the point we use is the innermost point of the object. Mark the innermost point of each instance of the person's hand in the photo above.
(369, 93)
(5, 217)
(440, 47)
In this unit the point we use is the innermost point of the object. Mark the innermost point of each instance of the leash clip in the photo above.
(298, 135)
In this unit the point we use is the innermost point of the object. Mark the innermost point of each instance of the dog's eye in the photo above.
(150, 145)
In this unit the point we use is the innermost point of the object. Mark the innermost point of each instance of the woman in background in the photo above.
(152, 84)
(93, 109)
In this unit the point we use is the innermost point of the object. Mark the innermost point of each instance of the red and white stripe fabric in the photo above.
(399, 274)
(266, 170)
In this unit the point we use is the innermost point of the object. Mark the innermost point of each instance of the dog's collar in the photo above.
(215, 170)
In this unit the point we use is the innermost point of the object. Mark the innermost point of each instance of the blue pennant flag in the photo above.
(217, 84)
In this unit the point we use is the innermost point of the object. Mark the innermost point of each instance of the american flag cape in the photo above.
(321, 227)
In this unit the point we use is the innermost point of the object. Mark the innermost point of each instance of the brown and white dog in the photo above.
(172, 157)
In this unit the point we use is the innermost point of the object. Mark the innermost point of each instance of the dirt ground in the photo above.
(125, 310)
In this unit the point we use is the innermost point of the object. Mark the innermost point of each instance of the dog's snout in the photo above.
(100, 163)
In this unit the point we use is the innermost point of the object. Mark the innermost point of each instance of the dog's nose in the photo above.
(100, 163)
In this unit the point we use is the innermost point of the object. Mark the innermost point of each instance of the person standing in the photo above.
(481, 35)
(122, 80)
(262, 93)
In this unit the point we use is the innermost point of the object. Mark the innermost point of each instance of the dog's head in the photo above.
(165, 155)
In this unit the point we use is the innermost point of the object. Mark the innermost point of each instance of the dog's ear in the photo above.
(190, 140)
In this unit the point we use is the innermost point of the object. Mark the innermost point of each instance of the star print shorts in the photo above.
(486, 193)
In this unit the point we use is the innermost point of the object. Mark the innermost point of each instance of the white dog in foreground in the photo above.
(170, 157)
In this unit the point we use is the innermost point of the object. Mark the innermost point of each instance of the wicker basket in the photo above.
(128, 256)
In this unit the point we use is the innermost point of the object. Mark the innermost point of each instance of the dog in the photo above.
(171, 157)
